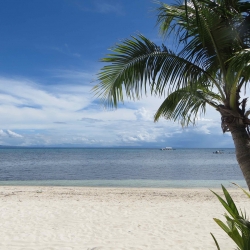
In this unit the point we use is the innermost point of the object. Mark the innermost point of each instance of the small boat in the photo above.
(167, 148)
(218, 152)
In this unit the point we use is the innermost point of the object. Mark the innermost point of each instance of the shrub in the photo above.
(237, 225)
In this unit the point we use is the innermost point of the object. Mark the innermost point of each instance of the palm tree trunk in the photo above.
(242, 148)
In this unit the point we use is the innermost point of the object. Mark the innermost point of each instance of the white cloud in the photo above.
(143, 114)
(90, 120)
(9, 133)
(141, 135)
(66, 113)
(2, 133)
(13, 134)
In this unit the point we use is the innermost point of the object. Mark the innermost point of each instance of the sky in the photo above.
(50, 55)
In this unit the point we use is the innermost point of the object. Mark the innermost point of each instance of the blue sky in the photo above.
(50, 55)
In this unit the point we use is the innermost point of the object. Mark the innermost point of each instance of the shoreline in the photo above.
(129, 183)
(101, 218)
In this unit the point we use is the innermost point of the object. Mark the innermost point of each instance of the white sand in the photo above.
(75, 218)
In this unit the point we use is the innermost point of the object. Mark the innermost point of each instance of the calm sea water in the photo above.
(118, 167)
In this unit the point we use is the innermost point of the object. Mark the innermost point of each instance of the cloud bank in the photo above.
(67, 114)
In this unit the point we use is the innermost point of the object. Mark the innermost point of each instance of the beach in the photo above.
(79, 218)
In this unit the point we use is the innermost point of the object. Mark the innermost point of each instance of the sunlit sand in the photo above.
(78, 218)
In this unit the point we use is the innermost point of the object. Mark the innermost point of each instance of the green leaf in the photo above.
(222, 225)
(226, 206)
(230, 201)
(232, 233)
(238, 227)
(216, 243)
(247, 193)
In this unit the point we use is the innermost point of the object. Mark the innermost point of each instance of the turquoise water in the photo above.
(180, 168)
(131, 183)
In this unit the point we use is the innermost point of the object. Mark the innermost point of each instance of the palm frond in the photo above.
(206, 31)
(209, 66)
(173, 18)
(186, 104)
(240, 62)
(138, 63)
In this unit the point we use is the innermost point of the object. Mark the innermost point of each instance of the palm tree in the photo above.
(210, 66)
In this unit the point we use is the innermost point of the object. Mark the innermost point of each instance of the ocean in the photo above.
(112, 167)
